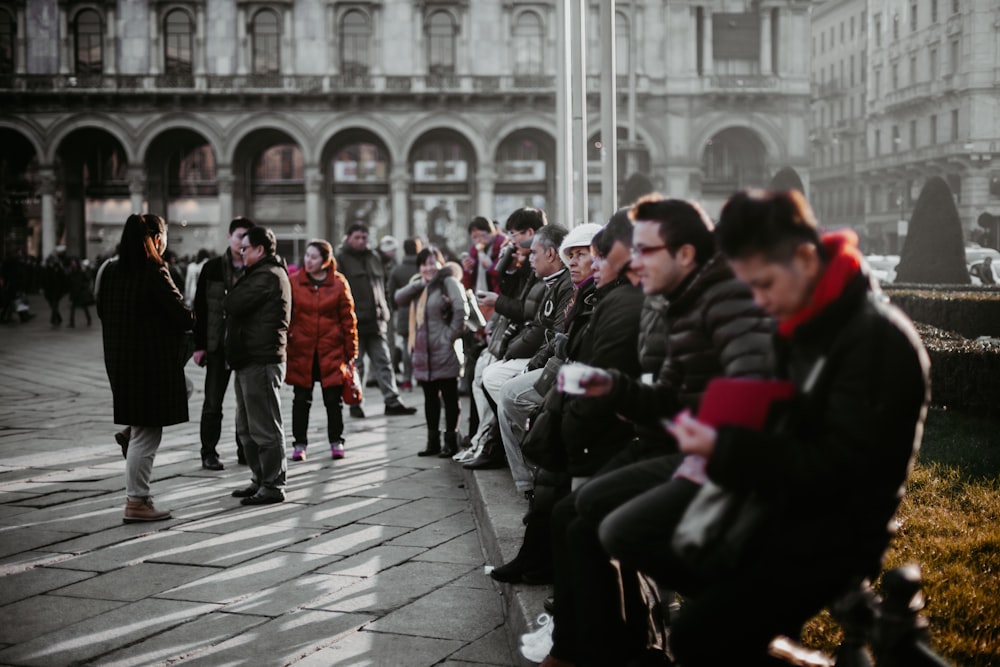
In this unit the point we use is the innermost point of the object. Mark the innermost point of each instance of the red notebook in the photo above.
(741, 401)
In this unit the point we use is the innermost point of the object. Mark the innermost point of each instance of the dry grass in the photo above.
(950, 526)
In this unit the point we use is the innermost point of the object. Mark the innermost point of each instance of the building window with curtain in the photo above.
(441, 31)
(8, 37)
(178, 40)
(355, 35)
(88, 33)
(529, 45)
(266, 42)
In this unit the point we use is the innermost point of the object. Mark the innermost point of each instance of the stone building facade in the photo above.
(905, 90)
(412, 116)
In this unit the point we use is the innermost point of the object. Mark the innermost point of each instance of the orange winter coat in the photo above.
(323, 322)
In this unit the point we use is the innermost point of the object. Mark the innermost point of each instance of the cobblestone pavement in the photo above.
(372, 560)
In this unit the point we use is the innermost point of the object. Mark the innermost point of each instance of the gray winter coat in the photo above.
(446, 311)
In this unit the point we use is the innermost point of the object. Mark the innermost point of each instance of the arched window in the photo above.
(89, 35)
(441, 43)
(622, 45)
(266, 43)
(8, 34)
(529, 41)
(177, 43)
(355, 36)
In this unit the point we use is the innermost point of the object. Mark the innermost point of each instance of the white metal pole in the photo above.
(578, 85)
(609, 112)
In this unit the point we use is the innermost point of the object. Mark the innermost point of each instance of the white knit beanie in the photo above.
(581, 235)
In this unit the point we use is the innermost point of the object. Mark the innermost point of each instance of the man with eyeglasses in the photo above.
(259, 308)
(713, 328)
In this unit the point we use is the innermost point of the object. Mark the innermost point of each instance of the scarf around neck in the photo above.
(844, 263)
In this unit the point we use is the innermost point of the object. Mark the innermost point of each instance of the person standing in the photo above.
(81, 294)
(144, 323)
(438, 312)
(55, 284)
(399, 277)
(258, 309)
(216, 278)
(322, 344)
(365, 274)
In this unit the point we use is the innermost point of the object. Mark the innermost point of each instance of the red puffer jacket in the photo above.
(323, 321)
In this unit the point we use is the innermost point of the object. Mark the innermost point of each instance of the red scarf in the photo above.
(844, 263)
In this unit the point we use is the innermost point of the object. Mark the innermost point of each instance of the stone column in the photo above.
(111, 44)
(400, 202)
(224, 179)
(707, 49)
(485, 183)
(137, 189)
(21, 48)
(314, 186)
(765, 41)
(287, 46)
(65, 41)
(47, 189)
(155, 53)
(241, 41)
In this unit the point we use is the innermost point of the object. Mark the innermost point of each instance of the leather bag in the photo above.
(352, 391)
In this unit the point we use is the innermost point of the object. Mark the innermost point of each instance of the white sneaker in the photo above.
(464, 455)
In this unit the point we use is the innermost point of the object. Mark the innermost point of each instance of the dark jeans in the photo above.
(333, 400)
(55, 318)
(595, 600)
(437, 392)
(72, 313)
(216, 382)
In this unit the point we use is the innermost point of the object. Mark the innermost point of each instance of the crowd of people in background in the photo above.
(644, 312)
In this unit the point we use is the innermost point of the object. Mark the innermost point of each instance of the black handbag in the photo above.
(547, 379)
(542, 445)
(717, 527)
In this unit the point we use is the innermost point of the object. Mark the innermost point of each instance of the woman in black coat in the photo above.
(145, 348)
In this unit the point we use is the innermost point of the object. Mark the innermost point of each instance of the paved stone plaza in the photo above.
(373, 560)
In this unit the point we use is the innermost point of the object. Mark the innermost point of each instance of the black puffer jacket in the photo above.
(835, 471)
(591, 431)
(713, 329)
(217, 277)
(548, 319)
(258, 310)
(365, 274)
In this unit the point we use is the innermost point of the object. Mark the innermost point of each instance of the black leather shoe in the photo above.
(357, 412)
(264, 498)
(509, 573)
(399, 409)
(212, 463)
(549, 605)
(246, 492)
(486, 462)
(535, 577)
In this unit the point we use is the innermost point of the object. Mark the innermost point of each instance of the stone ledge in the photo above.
(498, 509)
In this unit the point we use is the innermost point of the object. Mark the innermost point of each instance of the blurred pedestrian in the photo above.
(81, 292)
(55, 284)
(322, 345)
(399, 277)
(144, 324)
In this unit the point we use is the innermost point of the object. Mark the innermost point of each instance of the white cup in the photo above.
(569, 378)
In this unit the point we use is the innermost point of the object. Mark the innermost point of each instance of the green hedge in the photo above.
(970, 311)
(965, 375)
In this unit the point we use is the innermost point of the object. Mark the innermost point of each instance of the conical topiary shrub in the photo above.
(787, 179)
(934, 251)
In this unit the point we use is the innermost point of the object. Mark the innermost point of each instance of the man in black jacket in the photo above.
(259, 308)
(365, 273)
(217, 277)
(832, 473)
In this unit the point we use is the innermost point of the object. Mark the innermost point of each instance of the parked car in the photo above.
(883, 267)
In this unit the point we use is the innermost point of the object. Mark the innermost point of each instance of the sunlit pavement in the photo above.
(372, 560)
